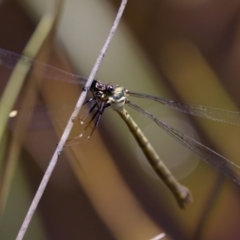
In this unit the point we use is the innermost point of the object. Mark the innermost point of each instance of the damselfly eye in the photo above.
(100, 87)
(110, 88)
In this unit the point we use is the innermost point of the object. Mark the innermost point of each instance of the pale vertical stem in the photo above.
(181, 193)
(69, 126)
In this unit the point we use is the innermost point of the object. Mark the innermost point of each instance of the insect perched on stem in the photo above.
(106, 95)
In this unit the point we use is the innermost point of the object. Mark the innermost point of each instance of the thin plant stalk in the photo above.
(69, 126)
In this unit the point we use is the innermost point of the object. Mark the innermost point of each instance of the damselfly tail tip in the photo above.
(185, 197)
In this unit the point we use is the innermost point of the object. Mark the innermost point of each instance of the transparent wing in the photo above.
(41, 117)
(9, 59)
(215, 114)
(219, 162)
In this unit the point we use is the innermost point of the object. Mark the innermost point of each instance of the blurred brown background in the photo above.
(186, 51)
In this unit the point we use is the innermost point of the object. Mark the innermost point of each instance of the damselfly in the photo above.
(105, 95)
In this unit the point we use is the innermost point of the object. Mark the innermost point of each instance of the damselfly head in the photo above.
(98, 86)
(98, 89)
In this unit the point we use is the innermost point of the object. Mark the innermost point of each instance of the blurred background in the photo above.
(186, 51)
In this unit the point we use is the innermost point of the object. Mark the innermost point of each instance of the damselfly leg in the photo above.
(89, 120)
